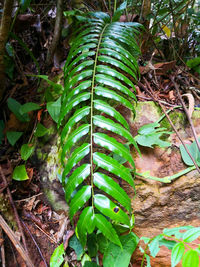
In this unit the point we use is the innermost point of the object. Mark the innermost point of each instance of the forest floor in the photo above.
(161, 81)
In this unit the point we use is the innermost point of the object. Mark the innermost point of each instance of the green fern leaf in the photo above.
(77, 177)
(109, 186)
(81, 197)
(110, 209)
(113, 166)
(106, 228)
(99, 74)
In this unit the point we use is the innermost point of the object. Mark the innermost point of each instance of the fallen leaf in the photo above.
(171, 95)
(191, 103)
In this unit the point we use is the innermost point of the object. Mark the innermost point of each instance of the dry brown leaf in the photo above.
(191, 103)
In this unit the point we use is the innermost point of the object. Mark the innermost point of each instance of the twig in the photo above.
(28, 198)
(186, 112)
(15, 210)
(163, 102)
(38, 248)
(171, 123)
(15, 242)
(50, 238)
(3, 260)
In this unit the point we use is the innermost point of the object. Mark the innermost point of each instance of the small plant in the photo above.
(180, 241)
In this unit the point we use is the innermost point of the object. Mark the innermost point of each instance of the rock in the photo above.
(156, 205)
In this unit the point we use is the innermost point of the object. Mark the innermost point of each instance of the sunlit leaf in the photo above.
(26, 151)
(57, 258)
(20, 174)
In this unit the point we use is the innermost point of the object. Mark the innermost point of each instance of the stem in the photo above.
(57, 32)
(115, 5)
(166, 179)
(168, 111)
(91, 118)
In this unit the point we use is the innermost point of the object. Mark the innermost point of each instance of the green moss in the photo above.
(54, 200)
(177, 117)
(7, 211)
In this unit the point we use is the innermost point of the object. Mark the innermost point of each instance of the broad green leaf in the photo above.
(115, 46)
(113, 166)
(102, 91)
(85, 224)
(73, 103)
(114, 73)
(148, 128)
(151, 139)
(167, 243)
(79, 77)
(103, 242)
(13, 137)
(115, 256)
(100, 15)
(77, 59)
(92, 245)
(191, 235)
(90, 264)
(109, 186)
(57, 258)
(81, 49)
(114, 127)
(111, 82)
(78, 115)
(129, 67)
(80, 67)
(190, 259)
(82, 86)
(74, 137)
(54, 109)
(106, 108)
(106, 228)
(19, 173)
(81, 197)
(194, 151)
(40, 130)
(111, 144)
(15, 107)
(177, 253)
(76, 245)
(154, 245)
(78, 154)
(176, 231)
(110, 209)
(28, 107)
(26, 151)
(116, 63)
(77, 177)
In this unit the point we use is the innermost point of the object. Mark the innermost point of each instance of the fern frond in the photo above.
(99, 74)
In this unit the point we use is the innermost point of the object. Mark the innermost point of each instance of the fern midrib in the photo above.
(91, 118)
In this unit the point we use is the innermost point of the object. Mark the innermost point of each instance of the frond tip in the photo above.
(99, 74)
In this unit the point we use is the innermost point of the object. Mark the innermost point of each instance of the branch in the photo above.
(15, 242)
(4, 33)
(57, 32)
